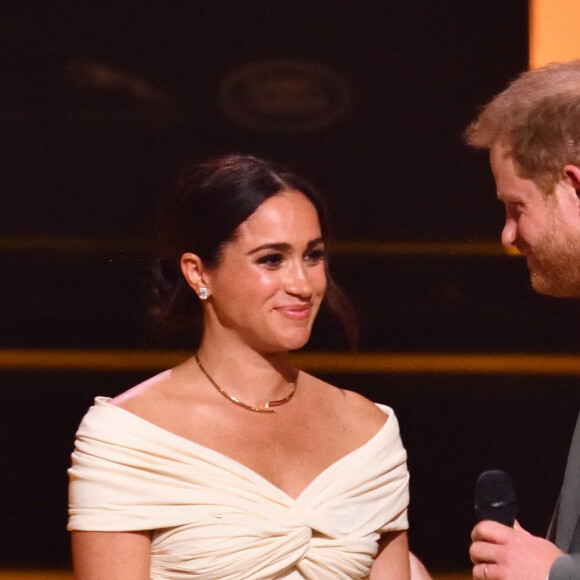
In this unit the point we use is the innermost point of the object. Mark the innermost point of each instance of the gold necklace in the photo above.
(263, 408)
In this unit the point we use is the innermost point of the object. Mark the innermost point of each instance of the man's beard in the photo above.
(555, 268)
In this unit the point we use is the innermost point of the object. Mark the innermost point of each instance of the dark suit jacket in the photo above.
(565, 527)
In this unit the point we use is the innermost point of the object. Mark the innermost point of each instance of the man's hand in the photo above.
(502, 553)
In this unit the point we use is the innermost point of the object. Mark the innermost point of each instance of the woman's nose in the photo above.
(298, 281)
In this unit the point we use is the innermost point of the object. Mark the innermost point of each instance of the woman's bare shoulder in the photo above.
(156, 394)
(364, 409)
(353, 407)
(145, 393)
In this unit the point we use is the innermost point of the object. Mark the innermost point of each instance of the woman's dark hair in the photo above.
(202, 214)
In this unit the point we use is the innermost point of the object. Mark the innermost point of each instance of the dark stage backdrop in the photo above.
(102, 102)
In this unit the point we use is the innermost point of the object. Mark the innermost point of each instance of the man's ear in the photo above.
(572, 174)
(195, 273)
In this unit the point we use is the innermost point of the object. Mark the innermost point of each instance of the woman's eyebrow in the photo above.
(277, 246)
(283, 246)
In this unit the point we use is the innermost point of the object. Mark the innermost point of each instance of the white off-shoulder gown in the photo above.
(212, 518)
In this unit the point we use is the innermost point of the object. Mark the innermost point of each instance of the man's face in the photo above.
(543, 227)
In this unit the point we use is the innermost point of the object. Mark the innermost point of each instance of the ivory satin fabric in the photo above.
(215, 519)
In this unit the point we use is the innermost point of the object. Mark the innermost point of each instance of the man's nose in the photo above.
(509, 232)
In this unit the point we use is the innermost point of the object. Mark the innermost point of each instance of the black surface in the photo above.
(87, 161)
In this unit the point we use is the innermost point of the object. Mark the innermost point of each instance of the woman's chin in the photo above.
(290, 343)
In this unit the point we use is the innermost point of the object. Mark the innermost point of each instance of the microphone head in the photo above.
(495, 497)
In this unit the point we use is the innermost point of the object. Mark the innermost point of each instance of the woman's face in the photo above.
(270, 281)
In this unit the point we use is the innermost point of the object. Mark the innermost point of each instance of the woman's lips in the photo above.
(295, 311)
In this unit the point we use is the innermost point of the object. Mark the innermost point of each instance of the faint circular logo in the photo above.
(285, 96)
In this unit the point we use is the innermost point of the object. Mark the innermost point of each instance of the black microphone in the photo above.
(495, 498)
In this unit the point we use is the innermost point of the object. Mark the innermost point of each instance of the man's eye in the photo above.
(514, 209)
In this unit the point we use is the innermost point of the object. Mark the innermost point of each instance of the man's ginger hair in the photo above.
(537, 117)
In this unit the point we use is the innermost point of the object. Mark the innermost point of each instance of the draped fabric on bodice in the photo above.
(215, 519)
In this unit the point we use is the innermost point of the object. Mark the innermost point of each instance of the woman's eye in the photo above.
(271, 260)
(315, 256)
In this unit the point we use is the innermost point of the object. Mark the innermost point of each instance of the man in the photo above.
(532, 131)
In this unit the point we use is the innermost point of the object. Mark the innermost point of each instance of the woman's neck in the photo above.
(245, 373)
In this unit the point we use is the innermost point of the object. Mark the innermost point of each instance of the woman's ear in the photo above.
(195, 274)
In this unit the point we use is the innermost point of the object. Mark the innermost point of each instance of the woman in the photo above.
(234, 464)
